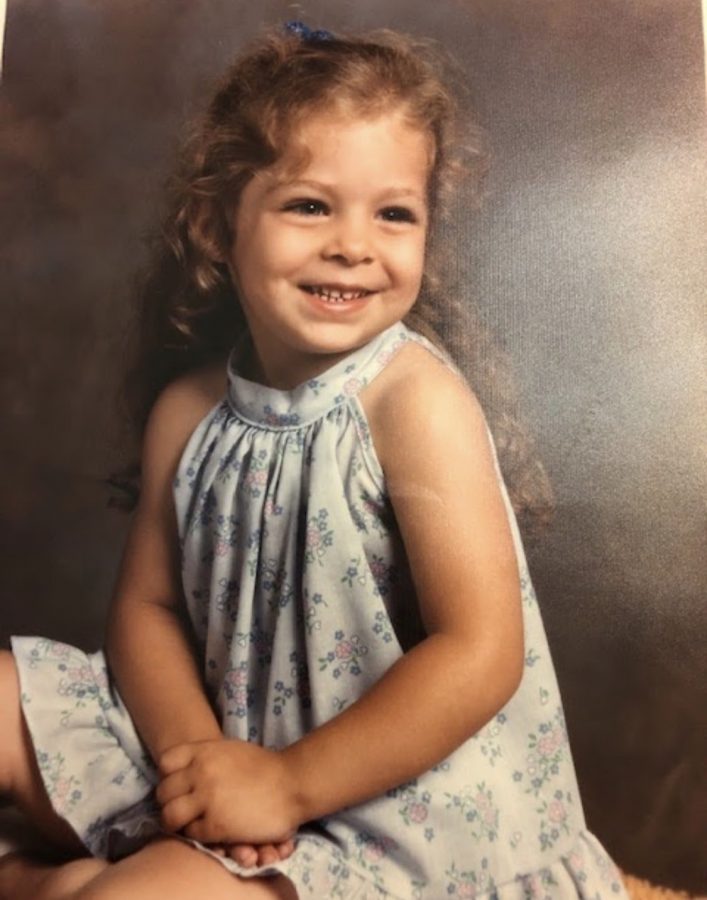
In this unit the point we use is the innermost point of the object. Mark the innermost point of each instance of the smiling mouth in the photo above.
(335, 295)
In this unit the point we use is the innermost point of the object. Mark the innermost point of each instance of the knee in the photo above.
(8, 673)
(11, 720)
(73, 879)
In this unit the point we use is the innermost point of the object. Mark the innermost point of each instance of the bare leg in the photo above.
(26, 878)
(171, 868)
(19, 774)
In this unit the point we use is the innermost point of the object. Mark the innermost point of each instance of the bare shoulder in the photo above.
(187, 399)
(176, 413)
(419, 405)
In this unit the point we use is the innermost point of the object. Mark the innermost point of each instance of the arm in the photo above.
(454, 525)
(431, 439)
(147, 644)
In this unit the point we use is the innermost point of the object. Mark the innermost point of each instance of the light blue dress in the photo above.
(300, 595)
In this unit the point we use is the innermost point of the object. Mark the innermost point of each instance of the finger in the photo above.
(267, 854)
(177, 757)
(173, 786)
(244, 854)
(285, 848)
(199, 830)
(181, 812)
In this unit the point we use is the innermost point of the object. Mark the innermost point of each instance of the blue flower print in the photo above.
(315, 385)
(279, 420)
(318, 537)
(372, 514)
(382, 627)
(63, 789)
(414, 808)
(539, 885)
(547, 749)
(384, 574)
(465, 885)
(478, 808)
(275, 583)
(345, 656)
(254, 475)
(227, 597)
(238, 693)
(488, 738)
(554, 819)
(311, 613)
(271, 508)
(370, 850)
(261, 641)
(356, 573)
(203, 510)
(225, 534)
(531, 657)
(527, 590)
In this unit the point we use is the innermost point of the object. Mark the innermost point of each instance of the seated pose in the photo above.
(325, 672)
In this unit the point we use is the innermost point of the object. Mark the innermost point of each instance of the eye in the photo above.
(398, 214)
(307, 207)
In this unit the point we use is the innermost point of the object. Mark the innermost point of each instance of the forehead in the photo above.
(335, 146)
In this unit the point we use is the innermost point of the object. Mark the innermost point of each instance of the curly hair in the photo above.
(189, 310)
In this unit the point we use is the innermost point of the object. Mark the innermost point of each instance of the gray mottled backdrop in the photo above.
(587, 260)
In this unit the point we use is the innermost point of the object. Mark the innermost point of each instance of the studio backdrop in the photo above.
(586, 260)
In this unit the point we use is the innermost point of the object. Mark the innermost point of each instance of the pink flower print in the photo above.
(270, 508)
(240, 695)
(378, 568)
(237, 678)
(375, 849)
(373, 852)
(80, 673)
(258, 477)
(314, 537)
(344, 650)
(466, 889)
(352, 386)
(60, 650)
(546, 745)
(482, 801)
(60, 789)
(490, 817)
(221, 548)
(417, 812)
(534, 886)
(556, 811)
(576, 860)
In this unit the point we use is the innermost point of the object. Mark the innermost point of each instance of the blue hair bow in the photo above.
(306, 34)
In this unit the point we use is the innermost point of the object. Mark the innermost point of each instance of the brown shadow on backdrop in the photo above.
(587, 260)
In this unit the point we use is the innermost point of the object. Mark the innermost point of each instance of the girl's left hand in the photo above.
(227, 792)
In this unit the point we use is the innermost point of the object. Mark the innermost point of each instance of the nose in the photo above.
(349, 241)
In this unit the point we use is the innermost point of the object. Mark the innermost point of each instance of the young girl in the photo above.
(325, 671)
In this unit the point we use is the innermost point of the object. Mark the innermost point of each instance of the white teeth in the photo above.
(334, 295)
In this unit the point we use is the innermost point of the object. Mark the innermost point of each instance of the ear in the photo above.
(208, 230)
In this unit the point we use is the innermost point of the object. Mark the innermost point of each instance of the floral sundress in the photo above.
(300, 596)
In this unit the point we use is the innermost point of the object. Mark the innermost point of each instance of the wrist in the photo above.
(194, 734)
(300, 786)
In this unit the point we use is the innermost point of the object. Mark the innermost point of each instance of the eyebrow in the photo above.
(402, 192)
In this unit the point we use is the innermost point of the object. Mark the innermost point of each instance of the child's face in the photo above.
(328, 257)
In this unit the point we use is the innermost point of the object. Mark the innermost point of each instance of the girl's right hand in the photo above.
(251, 855)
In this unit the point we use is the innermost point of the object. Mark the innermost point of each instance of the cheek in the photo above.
(411, 261)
